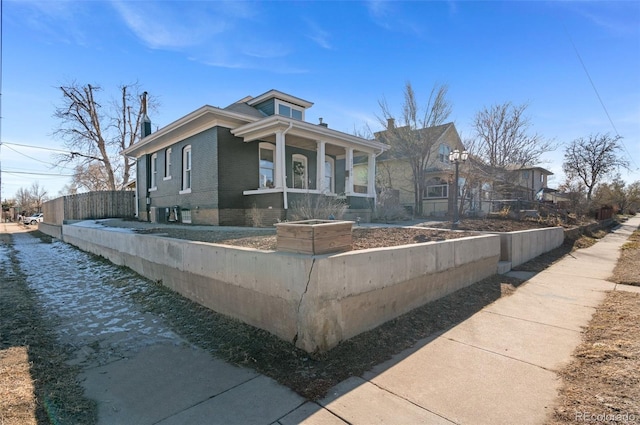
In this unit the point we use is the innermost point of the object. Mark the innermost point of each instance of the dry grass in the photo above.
(602, 383)
(39, 361)
(17, 400)
(627, 271)
(604, 377)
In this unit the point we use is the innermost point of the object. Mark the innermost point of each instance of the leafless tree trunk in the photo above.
(590, 160)
(407, 141)
(95, 136)
(503, 138)
(39, 195)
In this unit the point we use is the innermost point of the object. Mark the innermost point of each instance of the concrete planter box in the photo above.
(314, 236)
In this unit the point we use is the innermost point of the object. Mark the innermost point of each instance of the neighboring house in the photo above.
(221, 166)
(394, 173)
(525, 183)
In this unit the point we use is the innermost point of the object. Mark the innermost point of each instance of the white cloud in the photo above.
(318, 35)
(388, 15)
(162, 26)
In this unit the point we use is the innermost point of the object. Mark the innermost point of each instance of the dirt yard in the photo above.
(363, 237)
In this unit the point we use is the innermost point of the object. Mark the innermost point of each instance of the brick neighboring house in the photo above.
(215, 165)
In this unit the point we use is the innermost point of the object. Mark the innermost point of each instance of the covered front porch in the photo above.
(299, 160)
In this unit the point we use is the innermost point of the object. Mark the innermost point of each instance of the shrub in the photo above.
(257, 216)
(318, 207)
(388, 208)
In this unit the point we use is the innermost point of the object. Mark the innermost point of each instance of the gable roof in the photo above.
(435, 134)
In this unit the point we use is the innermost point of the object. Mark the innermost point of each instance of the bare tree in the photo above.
(97, 136)
(590, 160)
(24, 200)
(91, 177)
(30, 200)
(503, 137)
(408, 140)
(38, 195)
(617, 193)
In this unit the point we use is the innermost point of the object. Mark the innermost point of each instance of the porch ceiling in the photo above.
(310, 145)
(303, 133)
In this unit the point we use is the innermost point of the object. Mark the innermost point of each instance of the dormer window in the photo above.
(289, 110)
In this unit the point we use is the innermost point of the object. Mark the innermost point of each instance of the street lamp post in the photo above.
(455, 157)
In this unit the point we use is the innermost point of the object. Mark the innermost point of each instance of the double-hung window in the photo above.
(186, 169)
(329, 176)
(154, 172)
(443, 153)
(267, 165)
(167, 164)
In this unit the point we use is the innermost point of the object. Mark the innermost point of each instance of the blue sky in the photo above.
(343, 56)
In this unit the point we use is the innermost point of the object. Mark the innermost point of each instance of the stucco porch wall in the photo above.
(313, 301)
(522, 246)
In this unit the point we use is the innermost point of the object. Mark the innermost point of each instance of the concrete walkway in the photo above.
(497, 367)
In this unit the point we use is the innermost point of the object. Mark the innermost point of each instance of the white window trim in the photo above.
(436, 197)
(184, 169)
(167, 164)
(290, 105)
(297, 157)
(154, 172)
(264, 145)
(445, 155)
(329, 159)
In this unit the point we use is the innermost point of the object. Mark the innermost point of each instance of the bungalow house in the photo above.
(218, 166)
(394, 173)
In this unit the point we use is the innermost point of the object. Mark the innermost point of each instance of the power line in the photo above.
(584, 67)
(33, 173)
(38, 147)
(30, 157)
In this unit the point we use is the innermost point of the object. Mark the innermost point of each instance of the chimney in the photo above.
(145, 128)
(324, 124)
(391, 123)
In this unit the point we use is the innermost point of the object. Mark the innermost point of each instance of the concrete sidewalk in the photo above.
(497, 367)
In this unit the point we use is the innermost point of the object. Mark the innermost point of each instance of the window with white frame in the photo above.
(436, 188)
(267, 165)
(289, 110)
(443, 153)
(329, 174)
(300, 173)
(154, 171)
(167, 164)
(186, 169)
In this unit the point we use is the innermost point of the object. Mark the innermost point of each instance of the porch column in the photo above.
(371, 175)
(348, 168)
(279, 160)
(320, 166)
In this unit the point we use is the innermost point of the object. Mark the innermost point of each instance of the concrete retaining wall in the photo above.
(520, 247)
(52, 230)
(313, 301)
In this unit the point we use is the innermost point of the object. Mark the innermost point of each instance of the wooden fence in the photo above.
(90, 205)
